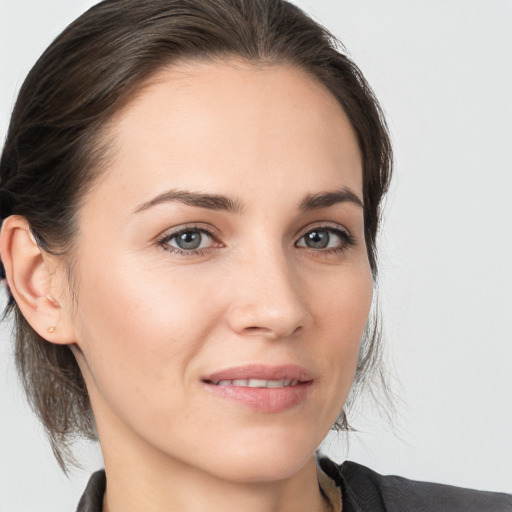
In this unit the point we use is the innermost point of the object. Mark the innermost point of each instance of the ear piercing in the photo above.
(52, 329)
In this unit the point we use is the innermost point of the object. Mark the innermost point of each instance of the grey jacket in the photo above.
(363, 490)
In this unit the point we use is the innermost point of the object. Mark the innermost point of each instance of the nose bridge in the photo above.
(268, 300)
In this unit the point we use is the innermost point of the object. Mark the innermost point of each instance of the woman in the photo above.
(191, 196)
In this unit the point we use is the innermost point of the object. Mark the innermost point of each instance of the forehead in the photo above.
(228, 124)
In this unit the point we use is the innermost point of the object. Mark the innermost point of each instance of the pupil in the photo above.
(189, 240)
(317, 239)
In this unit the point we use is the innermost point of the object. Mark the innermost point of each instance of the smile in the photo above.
(262, 388)
(258, 383)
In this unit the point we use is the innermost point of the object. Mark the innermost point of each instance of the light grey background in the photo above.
(443, 72)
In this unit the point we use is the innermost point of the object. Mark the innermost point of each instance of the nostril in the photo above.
(257, 330)
(275, 333)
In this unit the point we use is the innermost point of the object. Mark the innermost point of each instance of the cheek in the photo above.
(342, 315)
(343, 303)
(138, 330)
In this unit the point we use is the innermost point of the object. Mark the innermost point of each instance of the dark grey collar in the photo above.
(92, 498)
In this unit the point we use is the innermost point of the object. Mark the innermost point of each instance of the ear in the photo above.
(31, 277)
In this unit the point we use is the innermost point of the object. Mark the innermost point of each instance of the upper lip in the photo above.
(261, 371)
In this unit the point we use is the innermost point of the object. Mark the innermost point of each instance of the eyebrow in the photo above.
(326, 199)
(200, 200)
(220, 202)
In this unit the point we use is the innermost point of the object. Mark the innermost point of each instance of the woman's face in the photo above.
(222, 281)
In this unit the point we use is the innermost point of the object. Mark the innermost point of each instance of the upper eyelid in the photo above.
(203, 228)
(323, 225)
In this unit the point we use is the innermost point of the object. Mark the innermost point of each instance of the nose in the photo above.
(267, 300)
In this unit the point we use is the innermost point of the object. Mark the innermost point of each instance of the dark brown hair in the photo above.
(54, 151)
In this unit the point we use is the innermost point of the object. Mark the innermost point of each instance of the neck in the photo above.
(139, 477)
(188, 490)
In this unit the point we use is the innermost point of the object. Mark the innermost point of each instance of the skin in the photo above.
(149, 322)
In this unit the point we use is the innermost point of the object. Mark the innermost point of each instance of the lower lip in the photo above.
(263, 399)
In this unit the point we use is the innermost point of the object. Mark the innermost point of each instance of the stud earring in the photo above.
(52, 329)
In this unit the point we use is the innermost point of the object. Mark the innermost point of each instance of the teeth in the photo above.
(258, 383)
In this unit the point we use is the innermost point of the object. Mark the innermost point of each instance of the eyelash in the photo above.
(163, 242)
(347, 240)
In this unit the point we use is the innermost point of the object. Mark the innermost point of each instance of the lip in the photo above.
(267, 400)
(261, 371)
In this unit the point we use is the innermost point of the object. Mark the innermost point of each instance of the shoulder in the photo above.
(363, 489)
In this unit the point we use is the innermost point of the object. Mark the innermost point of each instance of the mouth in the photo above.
(256, 383)
(268, 389)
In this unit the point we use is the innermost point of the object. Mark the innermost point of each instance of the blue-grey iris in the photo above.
(189, 240)
(318, 239)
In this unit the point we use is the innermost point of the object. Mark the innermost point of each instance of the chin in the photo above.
(263, 470)
(263, 459)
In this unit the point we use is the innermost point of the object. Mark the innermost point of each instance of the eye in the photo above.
(326, 239)
(187, 240)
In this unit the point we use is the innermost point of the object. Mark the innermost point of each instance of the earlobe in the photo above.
(31, 281)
